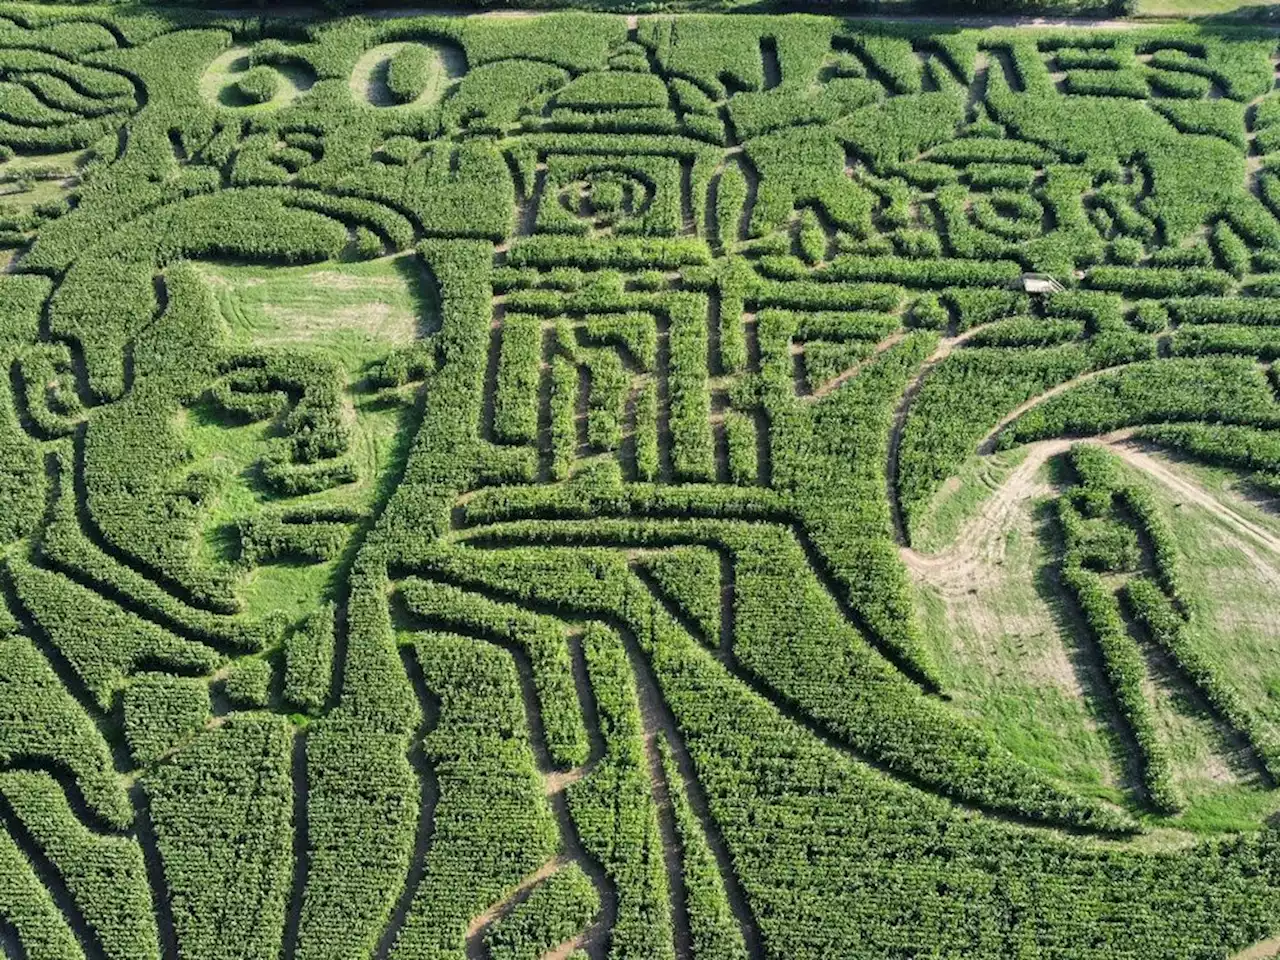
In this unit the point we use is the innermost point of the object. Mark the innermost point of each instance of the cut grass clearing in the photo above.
(999, 630)
(30, 182)
(357, 310)
(231, 453)
(22, 199)
(218, 82)
(1016, 658)
(67, 164)
(1231, 582)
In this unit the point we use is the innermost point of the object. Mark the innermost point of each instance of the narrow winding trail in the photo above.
(1253, 158)
(429, 797)
(988, 443)
(660, 722)
(840, 379)
(594, 940)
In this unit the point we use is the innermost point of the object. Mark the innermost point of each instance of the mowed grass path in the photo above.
(1016, 656)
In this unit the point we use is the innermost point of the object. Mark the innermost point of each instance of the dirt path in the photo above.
(940, 353)
(1261, 951)
(988, 443)
(428, 798)
(844, 376)
(657, 722)
(481, 925)
(660, 721)
(959, 563)
(1253, 164)
(594, 940)
(1190, 492)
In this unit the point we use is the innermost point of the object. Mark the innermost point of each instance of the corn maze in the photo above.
(607, 647)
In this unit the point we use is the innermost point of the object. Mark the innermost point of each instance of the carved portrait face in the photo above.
(679, 487)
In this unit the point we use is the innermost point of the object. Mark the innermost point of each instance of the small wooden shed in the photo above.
(1039, 283)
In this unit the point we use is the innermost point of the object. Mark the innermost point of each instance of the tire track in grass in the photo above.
(1192, 493)
(960, 563)
(901, 414)
(960, 558)
(1122, 443)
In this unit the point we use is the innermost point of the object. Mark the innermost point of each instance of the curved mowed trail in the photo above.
(1021, 484)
